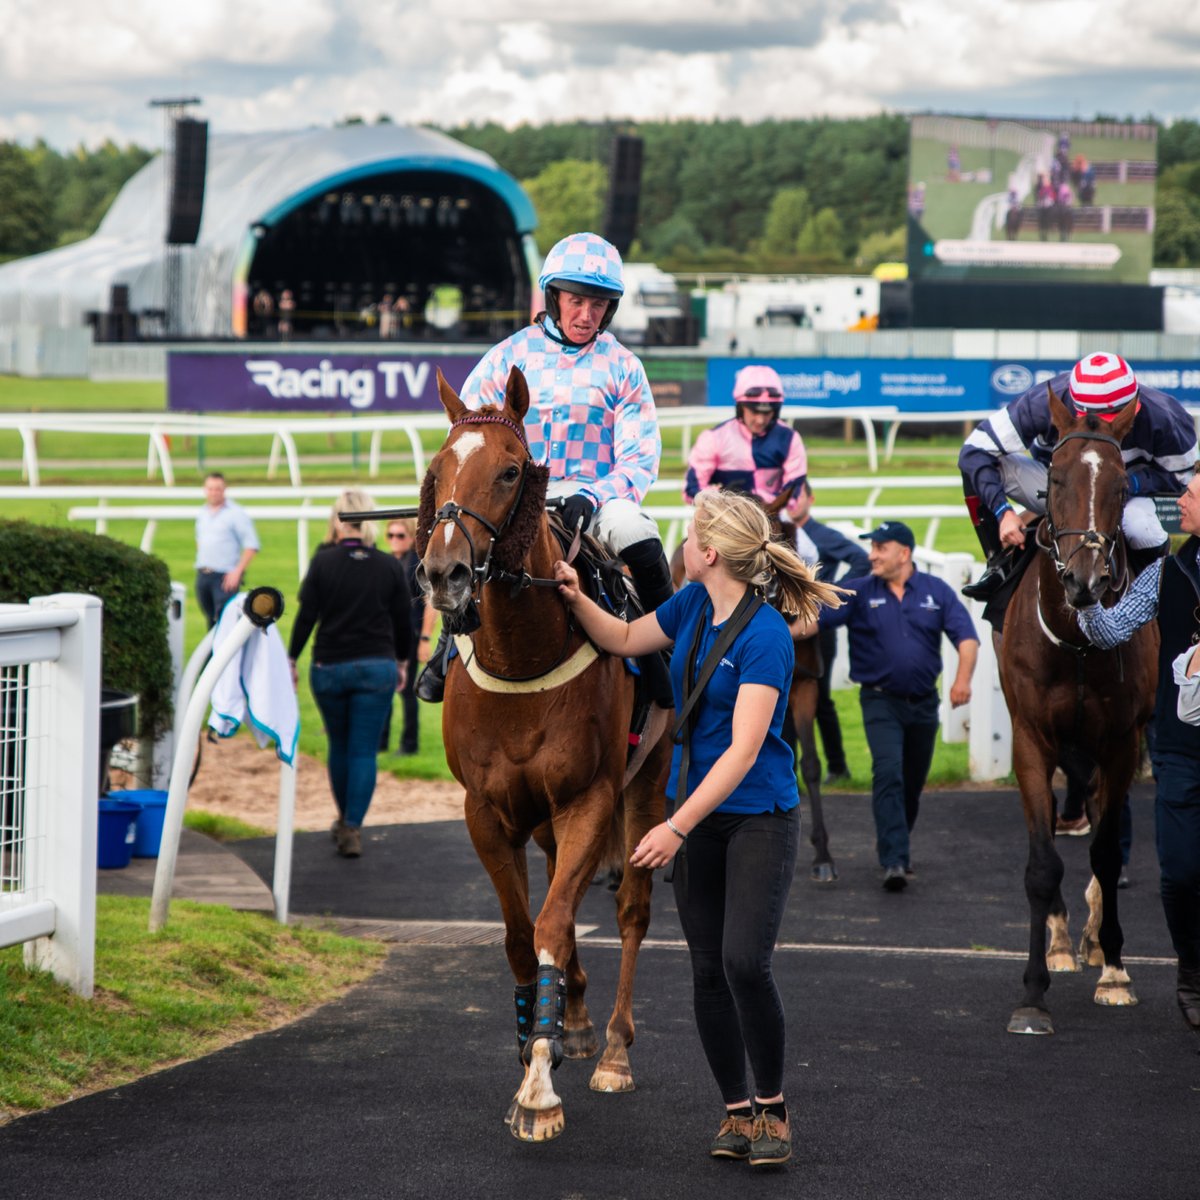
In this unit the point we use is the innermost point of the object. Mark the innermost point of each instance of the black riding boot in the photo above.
(647, 563)
(1000, 558)
(431, 683)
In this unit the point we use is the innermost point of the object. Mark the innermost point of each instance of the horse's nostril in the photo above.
(459, 575)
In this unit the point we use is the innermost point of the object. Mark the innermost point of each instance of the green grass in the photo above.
(211, 977)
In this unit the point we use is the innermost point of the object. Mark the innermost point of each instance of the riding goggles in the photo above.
(754, 393)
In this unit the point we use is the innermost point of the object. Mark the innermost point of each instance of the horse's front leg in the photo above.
(580, 827)
(803, 702)
(579, 1034)
(1033, 767)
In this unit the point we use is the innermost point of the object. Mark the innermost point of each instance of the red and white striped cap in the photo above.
(1102, 383)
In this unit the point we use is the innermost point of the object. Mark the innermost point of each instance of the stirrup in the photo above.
(989, 583)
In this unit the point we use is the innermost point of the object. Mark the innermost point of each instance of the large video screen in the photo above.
(1031, 199)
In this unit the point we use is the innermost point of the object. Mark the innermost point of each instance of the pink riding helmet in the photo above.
(760, 380)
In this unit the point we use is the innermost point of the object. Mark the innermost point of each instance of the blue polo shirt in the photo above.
(895, 644)
(761, 653)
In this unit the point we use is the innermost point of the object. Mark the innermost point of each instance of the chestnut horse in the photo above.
(802, 704)
(1074, 703)
(536, 728)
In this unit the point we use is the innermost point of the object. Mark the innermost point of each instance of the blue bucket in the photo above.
(153, 804)
(116, 832)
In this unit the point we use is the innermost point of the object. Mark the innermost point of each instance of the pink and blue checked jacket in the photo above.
(591, 415)
(729, 456)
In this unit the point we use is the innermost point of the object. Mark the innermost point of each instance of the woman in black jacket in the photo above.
(358, 600)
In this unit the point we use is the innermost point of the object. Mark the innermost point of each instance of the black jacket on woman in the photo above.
(359, 600)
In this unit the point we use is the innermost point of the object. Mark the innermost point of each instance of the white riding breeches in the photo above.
(619, 524)
(1025, 481)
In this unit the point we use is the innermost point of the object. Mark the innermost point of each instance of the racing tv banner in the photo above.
(270, 381)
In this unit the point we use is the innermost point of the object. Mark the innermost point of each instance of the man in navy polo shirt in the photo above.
(896, 617)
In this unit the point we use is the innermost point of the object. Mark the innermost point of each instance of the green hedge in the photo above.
(39, 560)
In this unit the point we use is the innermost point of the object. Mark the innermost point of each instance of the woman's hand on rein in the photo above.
(657, 848)
(568, 581)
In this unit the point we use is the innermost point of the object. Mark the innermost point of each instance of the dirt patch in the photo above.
(237, 779)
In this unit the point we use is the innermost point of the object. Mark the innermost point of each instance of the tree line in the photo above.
(777, 196)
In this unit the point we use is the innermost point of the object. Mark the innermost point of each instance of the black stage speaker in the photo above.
(624, 190)
(895, 304)
(187, 181)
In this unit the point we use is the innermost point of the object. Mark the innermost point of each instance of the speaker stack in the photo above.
(624, 191)
(187, 181)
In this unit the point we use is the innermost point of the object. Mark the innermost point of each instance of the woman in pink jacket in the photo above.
(753, 452)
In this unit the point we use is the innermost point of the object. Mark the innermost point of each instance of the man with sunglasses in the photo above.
(754, 452)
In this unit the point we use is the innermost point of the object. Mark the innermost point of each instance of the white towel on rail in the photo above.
(256, 686)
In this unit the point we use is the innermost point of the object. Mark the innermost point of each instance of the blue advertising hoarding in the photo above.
(909, 384)
(928, 385)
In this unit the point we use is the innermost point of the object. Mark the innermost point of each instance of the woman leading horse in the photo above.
(735, 820)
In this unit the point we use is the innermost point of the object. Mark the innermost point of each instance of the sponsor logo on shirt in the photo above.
(726, 663)
(930, 604)
(877, 603)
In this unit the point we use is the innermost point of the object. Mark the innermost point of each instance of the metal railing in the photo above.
(49, 755)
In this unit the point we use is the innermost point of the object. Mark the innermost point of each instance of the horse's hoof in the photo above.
(824, 872)
(536, 1124)
(1062, 961)
(1115, 990)
(608, 1078)
(581, 1043)
(1090, 953)
(1030, 1020)
(510, 1116)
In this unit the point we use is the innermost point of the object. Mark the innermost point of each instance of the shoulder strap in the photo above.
(739, 619)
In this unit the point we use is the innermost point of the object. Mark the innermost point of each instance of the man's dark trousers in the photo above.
(1177, 829)
(901, 732)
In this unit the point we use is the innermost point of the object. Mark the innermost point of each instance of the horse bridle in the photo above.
(453, 513)
(1090, 539)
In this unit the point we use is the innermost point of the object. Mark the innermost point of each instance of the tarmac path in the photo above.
(902, 1080)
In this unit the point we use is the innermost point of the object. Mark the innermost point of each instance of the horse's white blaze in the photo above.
(1092, 458)
(466, 446)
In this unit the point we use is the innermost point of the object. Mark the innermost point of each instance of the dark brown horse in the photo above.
(802, 704)
(536, 726)
(1074, 704)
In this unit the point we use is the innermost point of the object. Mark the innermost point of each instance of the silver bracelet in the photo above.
(676, 830)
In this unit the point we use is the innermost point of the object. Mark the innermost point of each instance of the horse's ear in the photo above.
(516, 394)
(454, 407)
(1122, 423)
(780, 502)
(1060, 414)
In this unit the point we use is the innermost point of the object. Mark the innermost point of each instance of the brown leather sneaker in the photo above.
(771, 1143)
(733, 1138)
(349, 841)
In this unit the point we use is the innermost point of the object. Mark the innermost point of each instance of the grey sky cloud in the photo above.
(83, 70)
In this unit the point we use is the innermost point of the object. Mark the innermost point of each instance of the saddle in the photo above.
(997, 605)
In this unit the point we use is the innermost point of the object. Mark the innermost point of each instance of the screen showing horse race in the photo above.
(1031, 199)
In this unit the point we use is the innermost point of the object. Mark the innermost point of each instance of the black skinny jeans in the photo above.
(731, 885)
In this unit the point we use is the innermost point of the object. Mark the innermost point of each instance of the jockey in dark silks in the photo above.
(1009, 455)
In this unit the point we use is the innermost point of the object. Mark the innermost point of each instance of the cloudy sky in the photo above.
(76, 71)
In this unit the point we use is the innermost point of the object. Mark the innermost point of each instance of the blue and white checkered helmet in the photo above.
(586, 265)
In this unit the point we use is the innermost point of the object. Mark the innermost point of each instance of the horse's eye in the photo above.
(511, 475)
